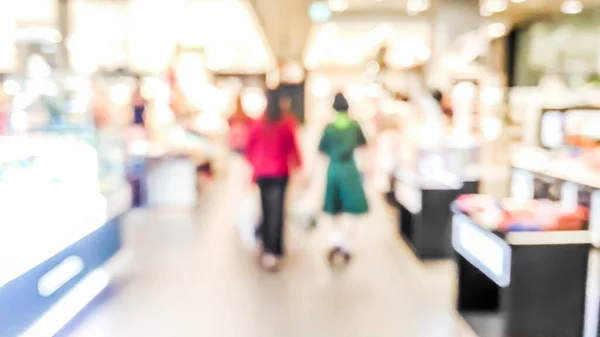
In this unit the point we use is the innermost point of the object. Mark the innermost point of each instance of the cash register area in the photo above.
(482, 169)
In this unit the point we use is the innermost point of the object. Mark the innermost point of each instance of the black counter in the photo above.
(521, 283)
(427, 231)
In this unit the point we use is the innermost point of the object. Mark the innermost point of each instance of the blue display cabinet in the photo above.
(57, 231)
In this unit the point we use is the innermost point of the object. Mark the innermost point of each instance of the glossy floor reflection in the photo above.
(190, 277)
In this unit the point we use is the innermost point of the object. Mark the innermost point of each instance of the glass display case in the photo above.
(59, 107)
(62, 197)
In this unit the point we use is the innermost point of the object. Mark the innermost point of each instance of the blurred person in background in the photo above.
(100, 107)
(445, 104)
(285, 103)
(344, 194)
(139, 104)
(273, 153)
(239, 128)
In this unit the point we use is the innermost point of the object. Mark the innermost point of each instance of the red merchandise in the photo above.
(533, 215)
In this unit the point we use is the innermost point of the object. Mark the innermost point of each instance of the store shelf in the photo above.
(544, 162)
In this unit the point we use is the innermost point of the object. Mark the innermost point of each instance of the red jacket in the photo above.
(272, 149)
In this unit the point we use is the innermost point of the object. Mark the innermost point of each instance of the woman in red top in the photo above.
(273, 153)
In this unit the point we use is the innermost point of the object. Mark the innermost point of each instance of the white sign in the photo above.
(569, 196)
(482, 248)
(522, 185)
(595, 218)
(551, 129)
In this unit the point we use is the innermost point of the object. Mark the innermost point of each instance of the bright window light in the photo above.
(571, 7)
(338, 5)
(321, 87)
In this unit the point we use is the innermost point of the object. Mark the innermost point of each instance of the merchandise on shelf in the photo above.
(510, 215)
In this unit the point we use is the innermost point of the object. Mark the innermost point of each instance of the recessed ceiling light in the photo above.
(518, 1)
(417, 6)
(484, 10)
(338, 5)
(496, 6)
(571, 7)
(496, 30)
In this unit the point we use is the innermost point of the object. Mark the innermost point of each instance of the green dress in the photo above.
(344, 190)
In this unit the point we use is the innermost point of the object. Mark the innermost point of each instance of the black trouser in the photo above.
(272, 196)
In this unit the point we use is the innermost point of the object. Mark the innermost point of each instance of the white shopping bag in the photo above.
(249, 218)
(304, 212)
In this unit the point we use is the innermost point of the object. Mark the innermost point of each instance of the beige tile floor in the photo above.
(190, 276)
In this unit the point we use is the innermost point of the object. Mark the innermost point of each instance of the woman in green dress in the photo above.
(344, 194)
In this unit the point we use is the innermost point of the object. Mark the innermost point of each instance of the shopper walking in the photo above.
(139, 104)
(344, 194)
(273, 153)
(239, 128)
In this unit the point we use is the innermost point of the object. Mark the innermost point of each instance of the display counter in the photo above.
(423, 216)
(58, 230)
(524, 283)
(166, 174)
(425, 186)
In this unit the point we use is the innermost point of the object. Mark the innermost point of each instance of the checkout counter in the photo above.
(534, 282)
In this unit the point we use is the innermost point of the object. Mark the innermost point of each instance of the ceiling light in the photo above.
(571, 7)
(496, 30)
(518, 1)
(338, 5)
(496, 6)
(319, 11)
(417, 6)
(484, 10)
(423, 53)
(406, 60)
(254, 101)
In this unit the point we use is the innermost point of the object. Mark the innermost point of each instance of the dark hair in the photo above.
(340, 103)
(437, 95)
(273, 112)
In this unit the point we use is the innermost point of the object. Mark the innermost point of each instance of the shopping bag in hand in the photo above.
(304, 213)
(249, 218)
